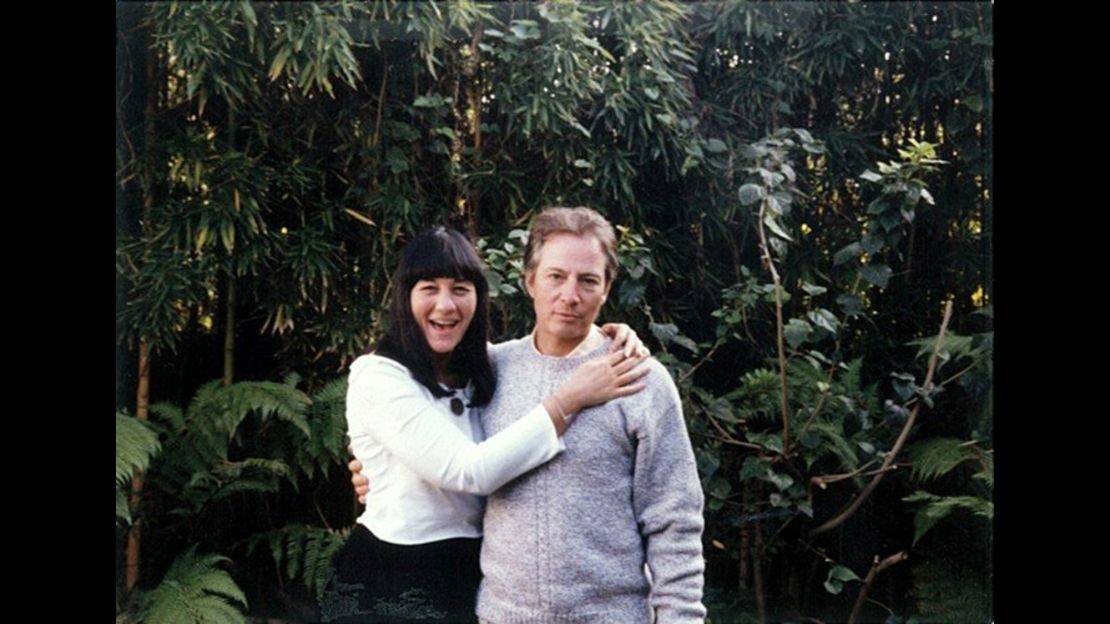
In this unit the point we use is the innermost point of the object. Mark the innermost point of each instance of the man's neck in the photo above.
(548, 345)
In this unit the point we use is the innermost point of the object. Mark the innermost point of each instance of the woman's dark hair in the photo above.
(440, 252)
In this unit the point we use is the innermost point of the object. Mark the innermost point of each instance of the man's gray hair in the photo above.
(580, 221)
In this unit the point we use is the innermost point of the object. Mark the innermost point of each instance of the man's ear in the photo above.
(530, 282)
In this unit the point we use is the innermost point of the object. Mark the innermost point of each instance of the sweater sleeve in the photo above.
(668, 502)
(385, 403)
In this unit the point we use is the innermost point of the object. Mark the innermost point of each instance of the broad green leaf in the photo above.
(796, 332)
(772, 222)
(871, 244)
(877, 274)
(851, 305)
(846, 253)
(719, 488)
(716, 146)
(752, 468)
(813, 290)
(769, 441)
(843, 573)
(708, 461)
(781, 481)
(750, 193)
(663, 332)
(974, 102)
(824, 319)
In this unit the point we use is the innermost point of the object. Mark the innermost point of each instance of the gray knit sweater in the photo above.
(568, 541)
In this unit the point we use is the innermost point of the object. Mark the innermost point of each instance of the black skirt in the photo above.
(375, 581)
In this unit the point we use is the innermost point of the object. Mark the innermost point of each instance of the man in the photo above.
(569, 541)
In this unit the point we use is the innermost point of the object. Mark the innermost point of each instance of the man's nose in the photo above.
(569, 291)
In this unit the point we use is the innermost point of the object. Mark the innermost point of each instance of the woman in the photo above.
(413, 555)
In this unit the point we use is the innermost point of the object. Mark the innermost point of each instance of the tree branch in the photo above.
(855, 504)
(770, 264)
(876, 568)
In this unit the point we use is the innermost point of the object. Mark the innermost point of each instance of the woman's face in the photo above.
(443, 308)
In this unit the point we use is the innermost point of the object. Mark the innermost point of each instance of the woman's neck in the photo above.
(441, 365)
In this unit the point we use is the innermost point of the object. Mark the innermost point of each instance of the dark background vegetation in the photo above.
(804, 196)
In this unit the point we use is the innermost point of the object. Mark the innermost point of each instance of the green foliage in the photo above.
(950, 591)
(293, 150)
(194, 589)
(935, 457)
(938, 507)
(838, 575)
(326, 442)
(195, 464)
(136, 444)
(305, 551)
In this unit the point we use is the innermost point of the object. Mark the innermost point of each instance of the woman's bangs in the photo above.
(443, 258)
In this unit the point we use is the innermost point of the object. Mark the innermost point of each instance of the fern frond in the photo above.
(987, 473)
(756, 398)
(306, 552)
(226, 478)
(333, 391)
(955, 345)
(939, 507)
(123, 509)
(851, 377)
(250, 475)
(170, 414)
(216, 412)
(207, 400)
(327, 421)
(936, 457)
(195, 589)
(268, 398)
(838, 445)
(135, 445)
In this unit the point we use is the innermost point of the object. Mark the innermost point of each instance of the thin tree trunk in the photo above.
(230, 295)
(134, 541)
(142, 398)
(743, 581)
(229, 332)
(757, 568)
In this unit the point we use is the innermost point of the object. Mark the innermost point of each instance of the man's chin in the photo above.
(567, 332)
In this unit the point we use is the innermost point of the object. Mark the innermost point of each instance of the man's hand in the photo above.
(625, 339)
(361, 483)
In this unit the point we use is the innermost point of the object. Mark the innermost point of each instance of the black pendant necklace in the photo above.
(456, 405)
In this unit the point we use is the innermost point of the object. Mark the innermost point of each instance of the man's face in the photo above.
(568, 288)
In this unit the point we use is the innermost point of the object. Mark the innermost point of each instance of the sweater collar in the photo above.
(592, 341)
